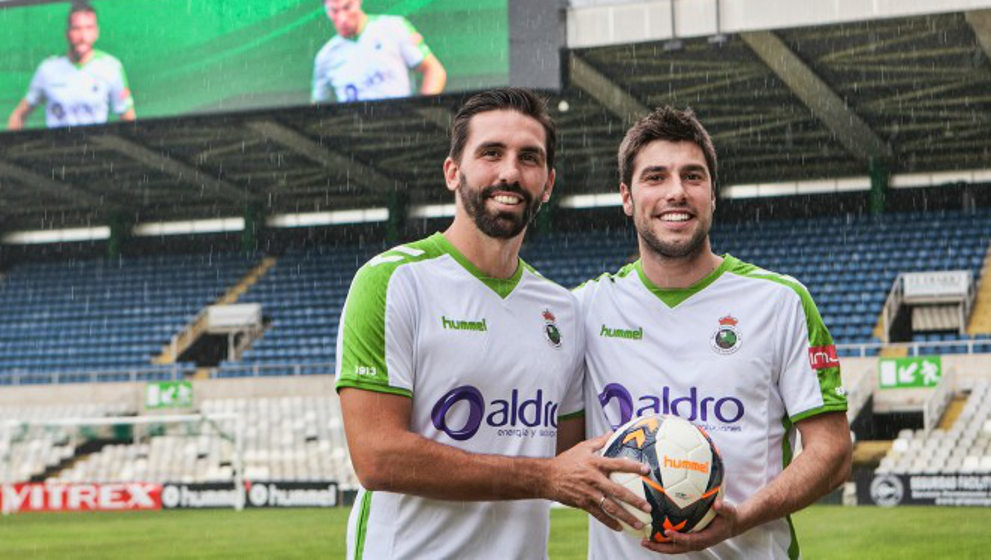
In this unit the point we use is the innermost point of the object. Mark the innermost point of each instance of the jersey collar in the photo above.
(354, 38)
(672, 297)
(94, 55)
(501, 286)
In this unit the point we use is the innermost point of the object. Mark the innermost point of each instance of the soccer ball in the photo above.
(686, 473)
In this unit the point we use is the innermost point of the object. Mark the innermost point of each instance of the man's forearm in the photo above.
(816, 471)
(18, 116)
(412, 464)
(434, 77)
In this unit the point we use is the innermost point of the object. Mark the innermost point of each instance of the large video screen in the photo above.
(152, 58)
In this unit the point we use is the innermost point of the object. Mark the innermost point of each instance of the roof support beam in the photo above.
(850, 130)
(356, 171)
(49, 186)
(980, 22)
(604, 90)
(165, 164)
(439, 116)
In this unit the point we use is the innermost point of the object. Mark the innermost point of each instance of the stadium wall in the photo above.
(134, 393)
(593, 23)
(966, 370)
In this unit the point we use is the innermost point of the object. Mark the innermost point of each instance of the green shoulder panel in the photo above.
(623, 272)
(830, 381)
(818, 334)
(418, 41)
(362, 326)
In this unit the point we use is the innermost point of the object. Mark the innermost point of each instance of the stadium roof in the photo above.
(784, 105)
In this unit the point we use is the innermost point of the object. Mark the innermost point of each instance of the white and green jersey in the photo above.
(490, 365)
(372, 65)
(743, 354)
(80, 94)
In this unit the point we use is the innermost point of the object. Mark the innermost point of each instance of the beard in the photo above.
(500, 225)
(671, 250)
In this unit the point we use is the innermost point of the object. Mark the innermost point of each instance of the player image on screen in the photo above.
(370, 57)
(740, 351)
(81, 87)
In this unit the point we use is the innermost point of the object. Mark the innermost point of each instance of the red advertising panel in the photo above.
(16, 498)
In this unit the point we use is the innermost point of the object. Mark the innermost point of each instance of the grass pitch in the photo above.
(831, 532)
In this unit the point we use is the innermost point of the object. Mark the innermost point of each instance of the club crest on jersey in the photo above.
(551, 331)
(726, 339)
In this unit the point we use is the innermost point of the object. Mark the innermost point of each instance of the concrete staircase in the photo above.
(870, 452)
(952, 412)
(980, 317)
(186, 337)
(894, 351)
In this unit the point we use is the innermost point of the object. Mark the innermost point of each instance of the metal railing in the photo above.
(265, 370)
(873, 349)
(173, 372)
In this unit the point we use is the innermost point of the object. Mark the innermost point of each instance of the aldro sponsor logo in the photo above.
(617, 401)
(516, 416)
(726, 339)
(461, 325)
(628, 334)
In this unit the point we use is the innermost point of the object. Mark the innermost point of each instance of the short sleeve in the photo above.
(321, 89)
(375, 333)
(120, 92)
(36, 89)
(411, 45)
(809, 379)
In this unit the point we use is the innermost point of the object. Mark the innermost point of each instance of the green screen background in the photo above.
(201, 56)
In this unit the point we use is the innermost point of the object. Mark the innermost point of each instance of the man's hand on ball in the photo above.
(722, 527)
(579, 477)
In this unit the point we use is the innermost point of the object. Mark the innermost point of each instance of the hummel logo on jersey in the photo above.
(629, 334)
(459, 325)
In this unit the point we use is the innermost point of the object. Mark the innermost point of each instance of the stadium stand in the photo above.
(287, 439)
(64, 320)
(848, 264)
(96, 320)
(303, 295)
(963, 448)
(28, 447)
(291, 438)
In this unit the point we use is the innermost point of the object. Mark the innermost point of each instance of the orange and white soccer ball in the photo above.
(686, 473)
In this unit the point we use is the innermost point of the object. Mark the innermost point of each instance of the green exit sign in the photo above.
(918, 371)
(169, 394)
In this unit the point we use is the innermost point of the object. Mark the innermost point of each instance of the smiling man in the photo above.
(736, 349)
(80, 87)
(459, 368)
(371, 56)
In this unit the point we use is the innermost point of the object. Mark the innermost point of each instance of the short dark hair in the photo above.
(665, 123)
(521, 100)
(80, 6)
